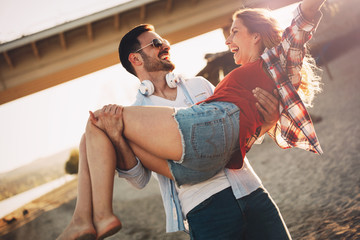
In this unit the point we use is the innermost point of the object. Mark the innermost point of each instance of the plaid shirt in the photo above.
(294, 128)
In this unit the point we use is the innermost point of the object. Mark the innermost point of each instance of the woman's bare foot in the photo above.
(107, 227)
(78, 232)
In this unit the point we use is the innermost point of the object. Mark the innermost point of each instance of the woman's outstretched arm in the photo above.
(310, 8)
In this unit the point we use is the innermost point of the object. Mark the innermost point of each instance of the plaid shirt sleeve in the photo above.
(284, 62)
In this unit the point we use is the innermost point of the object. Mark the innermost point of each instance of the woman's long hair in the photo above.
(259, 20)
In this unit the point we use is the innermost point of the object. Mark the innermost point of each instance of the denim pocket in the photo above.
(210, 133)
(208, 139)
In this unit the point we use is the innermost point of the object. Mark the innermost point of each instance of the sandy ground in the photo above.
(319, 197)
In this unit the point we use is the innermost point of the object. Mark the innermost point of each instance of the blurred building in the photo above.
(218, 66)
(335, 36)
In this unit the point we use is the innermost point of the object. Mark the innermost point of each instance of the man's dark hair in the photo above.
(129, 44)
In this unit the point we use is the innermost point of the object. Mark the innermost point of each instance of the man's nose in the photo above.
(166, 45)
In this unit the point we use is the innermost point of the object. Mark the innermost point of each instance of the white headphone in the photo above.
(146, 87)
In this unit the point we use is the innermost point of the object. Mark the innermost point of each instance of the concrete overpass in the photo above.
(65, 52)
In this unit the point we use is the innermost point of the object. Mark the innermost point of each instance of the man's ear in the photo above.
(135, 59)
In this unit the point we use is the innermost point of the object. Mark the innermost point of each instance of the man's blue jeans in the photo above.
(222, 217)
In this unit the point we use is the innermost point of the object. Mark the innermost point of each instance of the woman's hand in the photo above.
(310, 8)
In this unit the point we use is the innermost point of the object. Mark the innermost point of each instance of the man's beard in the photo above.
(154, 65)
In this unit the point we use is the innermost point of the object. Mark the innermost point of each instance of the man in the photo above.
(228, 206)
(231, 205)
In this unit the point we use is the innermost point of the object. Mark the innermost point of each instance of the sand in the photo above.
(318, 197)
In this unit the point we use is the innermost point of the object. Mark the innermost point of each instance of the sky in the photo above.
(35, 15)
(53, 120)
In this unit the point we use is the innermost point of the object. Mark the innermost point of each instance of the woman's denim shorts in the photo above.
(210, 134)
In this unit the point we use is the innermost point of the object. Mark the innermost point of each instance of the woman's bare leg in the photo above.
(81, 224)
(153, 129)
(152, 162)
(102, 162)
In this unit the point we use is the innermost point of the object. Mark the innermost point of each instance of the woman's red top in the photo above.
(237, 88)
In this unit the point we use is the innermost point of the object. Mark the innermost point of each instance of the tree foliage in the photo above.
(72, 164)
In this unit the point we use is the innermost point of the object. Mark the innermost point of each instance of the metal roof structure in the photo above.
(73, 49)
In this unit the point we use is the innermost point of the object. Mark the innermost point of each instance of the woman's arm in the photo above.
(291, 50)
(310, 8)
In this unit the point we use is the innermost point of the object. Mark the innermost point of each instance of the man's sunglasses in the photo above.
(156, 43)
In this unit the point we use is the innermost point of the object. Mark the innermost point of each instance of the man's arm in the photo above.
(112, 124)
(268, 106)
(125, 158)
(126, 163)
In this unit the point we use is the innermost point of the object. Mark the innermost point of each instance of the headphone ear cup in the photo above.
(146, 88)
(172, 80)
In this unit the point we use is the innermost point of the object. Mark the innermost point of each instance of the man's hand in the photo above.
(109, 119)
(268, 105)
